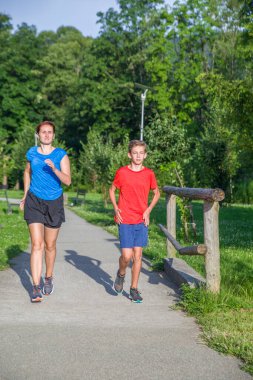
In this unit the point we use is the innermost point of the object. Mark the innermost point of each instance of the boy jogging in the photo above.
(132, 212)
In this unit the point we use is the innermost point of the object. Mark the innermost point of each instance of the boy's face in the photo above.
(137, 155)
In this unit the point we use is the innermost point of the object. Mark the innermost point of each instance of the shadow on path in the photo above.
(154, 277)
(21, 265)
(91, 267)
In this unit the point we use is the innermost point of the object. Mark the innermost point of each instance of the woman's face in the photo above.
(46, 134)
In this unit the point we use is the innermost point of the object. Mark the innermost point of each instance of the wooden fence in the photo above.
(210, 248)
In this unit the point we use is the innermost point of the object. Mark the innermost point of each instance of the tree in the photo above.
(127, 44)
(228, 132)
(168, 150)
(99, 160)
(19, 86)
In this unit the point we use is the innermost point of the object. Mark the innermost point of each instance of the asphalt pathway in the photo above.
(85, 331)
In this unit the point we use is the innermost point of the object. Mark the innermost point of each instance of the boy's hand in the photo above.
(118, 216)
(146, 217)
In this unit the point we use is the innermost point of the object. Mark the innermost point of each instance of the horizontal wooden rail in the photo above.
(195, 193)
(199, 249)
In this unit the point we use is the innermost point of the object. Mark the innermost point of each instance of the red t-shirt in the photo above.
(134, 189)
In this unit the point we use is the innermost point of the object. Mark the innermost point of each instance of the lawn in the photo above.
(226, 319)
(14, 236)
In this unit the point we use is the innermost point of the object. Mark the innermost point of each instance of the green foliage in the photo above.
(219, 149)
(168, 149)
(196, 60)
(99, 160)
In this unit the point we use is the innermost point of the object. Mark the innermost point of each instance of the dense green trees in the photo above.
(196, 61)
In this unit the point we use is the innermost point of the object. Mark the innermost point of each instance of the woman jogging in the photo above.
(46, 168)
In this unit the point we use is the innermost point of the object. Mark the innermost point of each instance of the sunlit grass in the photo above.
(17, 194)
(14, 235)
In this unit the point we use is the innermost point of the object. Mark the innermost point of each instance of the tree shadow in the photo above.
(91, 267)
(21, 265)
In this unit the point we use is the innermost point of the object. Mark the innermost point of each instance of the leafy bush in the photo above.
(99, 159)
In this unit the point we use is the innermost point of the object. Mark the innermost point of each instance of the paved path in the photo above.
(85, 331)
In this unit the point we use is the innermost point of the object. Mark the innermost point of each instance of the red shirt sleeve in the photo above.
(153, 182)
(117, 179)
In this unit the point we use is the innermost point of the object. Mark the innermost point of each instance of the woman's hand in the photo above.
(22, 203)
(50, 164)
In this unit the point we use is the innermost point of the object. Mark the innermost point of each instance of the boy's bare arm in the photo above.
(154, 201)
(114, 203)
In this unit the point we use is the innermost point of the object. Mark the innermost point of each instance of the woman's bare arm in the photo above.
(27, 181)
(64, 174)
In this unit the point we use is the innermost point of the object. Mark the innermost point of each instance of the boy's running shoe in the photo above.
(118, 283)
(135, 295)
(36, 294)
(48, 287)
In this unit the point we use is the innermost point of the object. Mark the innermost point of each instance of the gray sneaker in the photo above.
(36, 294)
(118, 283)
(48, 287)
(135, 295)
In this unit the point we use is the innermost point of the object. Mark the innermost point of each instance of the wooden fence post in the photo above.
(211, 239)
(171, 222)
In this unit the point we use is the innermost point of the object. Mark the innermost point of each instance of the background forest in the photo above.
(196, 59)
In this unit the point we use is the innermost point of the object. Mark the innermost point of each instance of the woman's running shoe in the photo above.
(36, 294)
(48, 287)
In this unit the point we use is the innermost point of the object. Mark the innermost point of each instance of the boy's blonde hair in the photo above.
(134, 143)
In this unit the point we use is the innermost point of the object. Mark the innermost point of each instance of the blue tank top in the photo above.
(44, 183)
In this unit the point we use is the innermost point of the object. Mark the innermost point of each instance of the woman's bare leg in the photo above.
(37, 241)
(50, 237)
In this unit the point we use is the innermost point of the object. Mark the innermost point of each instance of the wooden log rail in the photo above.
(199, 249)
(210, 248)
(212, 195)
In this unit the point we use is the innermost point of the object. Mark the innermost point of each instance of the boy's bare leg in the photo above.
(136, 267)
(124, 260)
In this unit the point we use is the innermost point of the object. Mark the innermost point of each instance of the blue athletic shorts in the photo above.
(133, 235)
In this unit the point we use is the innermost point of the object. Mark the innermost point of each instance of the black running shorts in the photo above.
(49, 213)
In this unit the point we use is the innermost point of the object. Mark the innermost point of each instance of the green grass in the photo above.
(17, 194)
(227, 318)
(14, 235)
